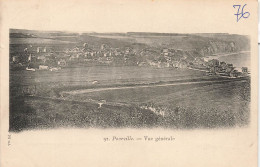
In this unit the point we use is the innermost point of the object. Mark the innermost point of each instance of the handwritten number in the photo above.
(240, 13)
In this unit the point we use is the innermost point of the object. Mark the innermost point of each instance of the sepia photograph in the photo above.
(125, 83)
(128, 80)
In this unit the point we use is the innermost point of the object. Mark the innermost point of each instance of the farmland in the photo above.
(199, 105)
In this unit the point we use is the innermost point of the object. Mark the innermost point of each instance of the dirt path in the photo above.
(216, 56)
(82, 91)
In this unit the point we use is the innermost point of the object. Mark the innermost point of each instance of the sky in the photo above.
(169, 16)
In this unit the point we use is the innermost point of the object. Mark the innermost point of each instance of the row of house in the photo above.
(161, 58)
(226, 69)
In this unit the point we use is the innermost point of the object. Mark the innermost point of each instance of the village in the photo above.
(34, 58)
(90, 80)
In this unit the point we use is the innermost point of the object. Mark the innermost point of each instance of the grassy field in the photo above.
(201, 105)
(50, 83)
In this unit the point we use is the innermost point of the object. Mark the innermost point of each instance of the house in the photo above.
(238, 69)
(223, 65)
(165, 64)
(244, 69)
(62, 62)
(104, 46)
(165, 50)
(76, 49)
(85, 45)
(168, 59)
(74, 57)
(230, 65)
(39, 49)
(206, 59)
(41, 58)
(142, 64)
(213, 69)
(128, 50)
(44, 50)
(175, 64)
(235, 73)
(229, 69)
(199, 61)
(154, 64)
(42, 67)
(214, 62)
(182, 64)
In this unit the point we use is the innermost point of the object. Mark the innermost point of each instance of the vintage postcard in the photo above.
(129, 83)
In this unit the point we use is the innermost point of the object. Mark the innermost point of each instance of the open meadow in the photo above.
(142, 99)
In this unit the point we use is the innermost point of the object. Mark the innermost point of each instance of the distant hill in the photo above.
(22, 35)
(205, 43)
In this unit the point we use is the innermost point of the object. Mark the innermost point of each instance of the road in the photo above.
(82, 91)
(216, 56)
